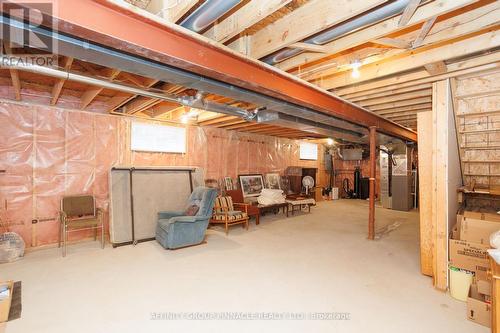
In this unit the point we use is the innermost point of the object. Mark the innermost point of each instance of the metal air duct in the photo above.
(341, 29)
(208, 13)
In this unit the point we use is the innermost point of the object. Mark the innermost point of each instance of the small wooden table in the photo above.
(299, 202)
(273, 208)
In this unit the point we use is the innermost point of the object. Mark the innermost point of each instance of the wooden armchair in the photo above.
(224, 212)
(80, 213)
(252, 210)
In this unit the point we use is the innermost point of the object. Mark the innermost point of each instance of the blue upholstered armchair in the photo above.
(176, 229)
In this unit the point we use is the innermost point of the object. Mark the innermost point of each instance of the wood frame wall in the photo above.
(440, 177)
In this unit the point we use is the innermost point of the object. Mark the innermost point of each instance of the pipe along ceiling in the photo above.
(341, 29)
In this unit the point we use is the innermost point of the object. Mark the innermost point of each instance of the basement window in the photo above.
(158, 138)
(308, 151)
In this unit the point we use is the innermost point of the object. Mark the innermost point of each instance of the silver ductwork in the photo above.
(281, 119)
(201, 103)
(208, 13)
(341, 29)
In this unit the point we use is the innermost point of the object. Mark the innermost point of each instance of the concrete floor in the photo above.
(311, 263)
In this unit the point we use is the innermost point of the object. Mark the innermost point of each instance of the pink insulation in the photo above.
(50, 152)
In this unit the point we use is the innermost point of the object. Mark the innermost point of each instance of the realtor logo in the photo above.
(23, 41)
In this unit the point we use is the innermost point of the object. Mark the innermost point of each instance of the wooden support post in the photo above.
(373, 165)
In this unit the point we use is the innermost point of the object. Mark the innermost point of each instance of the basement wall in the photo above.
(49, 152)
(345, 169)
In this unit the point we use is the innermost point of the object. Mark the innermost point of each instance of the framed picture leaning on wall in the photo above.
(251, 185)
(273, 181)
(228, 183)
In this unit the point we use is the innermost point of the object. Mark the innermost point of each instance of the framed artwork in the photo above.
(251, 185)
(273, 181)
(228, 183)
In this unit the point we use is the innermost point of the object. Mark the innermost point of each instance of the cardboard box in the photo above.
(484, 287)
(458, 226)
(5, 303)
(478, 310)
(482, 216)
(477, 230)
(481, 273)
(469, 256)
(455, 232)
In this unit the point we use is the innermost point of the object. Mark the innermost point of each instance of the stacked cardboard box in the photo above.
(6, 289)
(468, 247)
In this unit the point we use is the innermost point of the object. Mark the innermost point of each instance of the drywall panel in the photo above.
(425, 134)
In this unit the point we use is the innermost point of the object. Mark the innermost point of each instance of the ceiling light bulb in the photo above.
(184, 118)
(329, 141)
(355, 73)
(356, 64)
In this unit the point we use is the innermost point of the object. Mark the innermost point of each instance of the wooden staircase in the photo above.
(476, 105)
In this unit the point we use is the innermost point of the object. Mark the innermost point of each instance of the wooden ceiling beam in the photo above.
(163, 108)
(14, 74)
(475, 64)
(376, 31)
(314, 16)
(207, 115)
(230, 123)
(89, 68)
(56, 90)
(117, 101)
(133, 79)
(89, 95)
(408, 113)
(238, 126)
(139, 104)
(309, 47)
(410, 108)
(259, 128)
(402, 117)
(218, 120)
(393, 42)
(408, 12)
(446, 30)
(376, 94)
(424, 31)
(396, 97)
(412, 123)
(343, 63)
(436, 68)
(412, 60)
(394, 105)
(170, 10)
(284, 131)
(245, 17)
